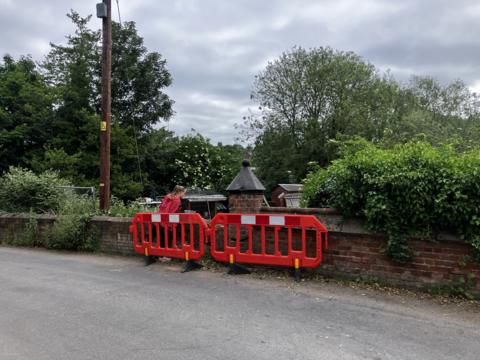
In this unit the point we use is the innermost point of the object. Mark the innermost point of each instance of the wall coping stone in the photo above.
(335, 222)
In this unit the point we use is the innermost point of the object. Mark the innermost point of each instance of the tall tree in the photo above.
(138, 103)
(200, 164)
(25, 112)
(310, 97)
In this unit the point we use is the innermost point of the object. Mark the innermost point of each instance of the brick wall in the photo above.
(11, 224)
(112, 233)
(354, 251)
(245, 202)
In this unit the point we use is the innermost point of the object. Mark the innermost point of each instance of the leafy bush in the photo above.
(23, 191)
(120, 209)
(410, 189)
(70, 230)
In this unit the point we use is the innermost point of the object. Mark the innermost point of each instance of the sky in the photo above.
(214, 48)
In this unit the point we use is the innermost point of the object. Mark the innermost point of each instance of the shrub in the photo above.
(23, 191)
(410, 189)
(120, 209)
(70, 230)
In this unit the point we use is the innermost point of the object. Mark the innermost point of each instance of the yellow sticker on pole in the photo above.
(103, 126)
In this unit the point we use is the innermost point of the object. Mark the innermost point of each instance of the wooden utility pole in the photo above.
(106, 106)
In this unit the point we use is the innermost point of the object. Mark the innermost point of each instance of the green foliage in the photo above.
(29, 236)
(411, 189)
(138, 102)
(24, 191)
(199, 164)
(307, 98)
(119, 209)
(70, 230)
(458, 287)
(398, 249)
(25, 112)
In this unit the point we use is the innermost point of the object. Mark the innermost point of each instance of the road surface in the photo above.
(75, 306)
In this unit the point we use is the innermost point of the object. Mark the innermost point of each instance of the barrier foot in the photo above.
(235, 269)
(296, 274)
(149, 260)
(191, 265)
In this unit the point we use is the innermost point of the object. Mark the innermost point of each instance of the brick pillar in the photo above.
(247, 202)
(245, 193)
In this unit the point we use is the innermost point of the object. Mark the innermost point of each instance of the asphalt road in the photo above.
(73, 306)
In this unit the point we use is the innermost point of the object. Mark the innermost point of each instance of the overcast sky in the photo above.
(215, 47)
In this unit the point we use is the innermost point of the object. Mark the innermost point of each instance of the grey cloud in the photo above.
(214, 48)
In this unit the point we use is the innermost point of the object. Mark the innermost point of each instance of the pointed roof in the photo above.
(246, 180)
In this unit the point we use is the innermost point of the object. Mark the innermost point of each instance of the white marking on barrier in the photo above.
(156, 218)
(277, 220)
(174, 218)
(247, 220)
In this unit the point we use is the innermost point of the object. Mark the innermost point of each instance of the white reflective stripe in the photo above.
(247, 220)
(277, 220)
(174, 218)
(156, 218)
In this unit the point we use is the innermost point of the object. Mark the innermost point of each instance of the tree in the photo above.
(438, 114)
(25, 112)
(138, 80)
(138, 103)
(199, 164)
(310, 97)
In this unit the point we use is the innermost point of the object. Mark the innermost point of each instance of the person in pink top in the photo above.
(172, 202)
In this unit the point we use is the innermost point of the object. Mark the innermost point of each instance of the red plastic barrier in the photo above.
(179, 236)
(281, 240)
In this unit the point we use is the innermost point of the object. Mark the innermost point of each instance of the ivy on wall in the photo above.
(413, 189)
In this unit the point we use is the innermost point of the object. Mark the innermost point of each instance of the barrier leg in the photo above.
(296, 275)
(191, 265)
(149, 260)
(235, 269)
(296, 270)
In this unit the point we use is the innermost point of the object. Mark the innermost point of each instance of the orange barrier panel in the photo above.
(180, 236)
(284, 240)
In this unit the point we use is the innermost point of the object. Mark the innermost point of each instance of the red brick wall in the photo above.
(246, 203)
(354, 252)
(112, 233)
(434, 263)
(355, 255)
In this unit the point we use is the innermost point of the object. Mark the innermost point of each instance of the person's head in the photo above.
(179, 191)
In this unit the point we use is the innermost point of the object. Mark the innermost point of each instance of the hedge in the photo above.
(410, 189)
